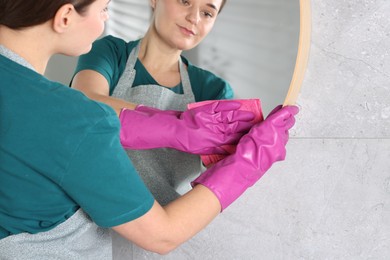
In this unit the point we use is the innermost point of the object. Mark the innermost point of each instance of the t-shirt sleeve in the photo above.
(208, 86)
(108, 57)
(102, 180)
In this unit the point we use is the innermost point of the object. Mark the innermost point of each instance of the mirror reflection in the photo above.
(253, 45)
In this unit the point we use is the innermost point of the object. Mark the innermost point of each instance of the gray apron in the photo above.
(76, 238)
(167, 172)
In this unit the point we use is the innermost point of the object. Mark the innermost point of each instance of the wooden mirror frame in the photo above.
(302, 54)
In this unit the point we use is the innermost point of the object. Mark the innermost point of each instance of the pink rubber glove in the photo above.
(256, 152)
(253, 105)
(200, 130)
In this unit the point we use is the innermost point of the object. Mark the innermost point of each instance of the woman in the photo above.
(64, 177)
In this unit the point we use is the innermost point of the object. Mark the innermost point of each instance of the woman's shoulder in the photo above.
(203, 74)
(120, 45)
(91, 108)
(207, 84)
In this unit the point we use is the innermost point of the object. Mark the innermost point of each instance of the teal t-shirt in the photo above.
(60, 151)
(109, 56)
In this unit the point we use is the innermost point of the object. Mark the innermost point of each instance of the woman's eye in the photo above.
(208, 14)
(185, 2)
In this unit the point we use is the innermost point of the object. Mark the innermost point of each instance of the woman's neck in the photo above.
(160, 60)
(29, 44)
(157, 55)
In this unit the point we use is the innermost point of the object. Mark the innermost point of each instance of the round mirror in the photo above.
(259, 46)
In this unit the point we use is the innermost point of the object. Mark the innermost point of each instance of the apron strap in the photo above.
(184, 77)
(126, 81)
(186, 83)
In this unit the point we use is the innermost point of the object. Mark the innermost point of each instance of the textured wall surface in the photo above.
(331, 198)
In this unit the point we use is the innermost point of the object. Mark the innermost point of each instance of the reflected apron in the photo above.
(76, 238)
(165, 171)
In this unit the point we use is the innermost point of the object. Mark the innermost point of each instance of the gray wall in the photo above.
(61, 68)
(330, 199)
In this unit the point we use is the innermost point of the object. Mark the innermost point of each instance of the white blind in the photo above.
(129, 19)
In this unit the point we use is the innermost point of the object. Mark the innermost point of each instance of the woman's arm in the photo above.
(162, 229)
(96, 87)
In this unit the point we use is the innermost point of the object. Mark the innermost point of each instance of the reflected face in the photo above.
(183, 24)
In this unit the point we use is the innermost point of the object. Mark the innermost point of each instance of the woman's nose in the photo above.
(193, 16)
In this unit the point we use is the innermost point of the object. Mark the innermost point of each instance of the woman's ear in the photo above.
(63, 18)
(153, 3)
